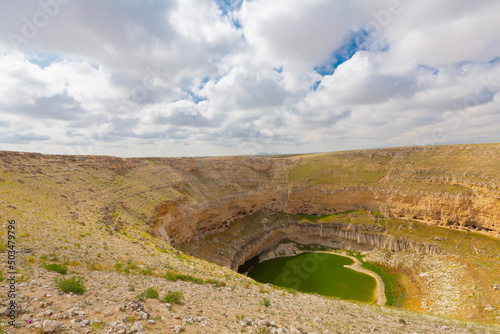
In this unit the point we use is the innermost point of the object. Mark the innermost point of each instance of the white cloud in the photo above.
(188, 78)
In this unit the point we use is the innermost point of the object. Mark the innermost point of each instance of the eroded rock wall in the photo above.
(182, 220)
(335, 235)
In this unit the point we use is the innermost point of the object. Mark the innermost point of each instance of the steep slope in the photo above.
(114, 221)
(453, 186)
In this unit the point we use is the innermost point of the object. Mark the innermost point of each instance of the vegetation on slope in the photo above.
(93, 215)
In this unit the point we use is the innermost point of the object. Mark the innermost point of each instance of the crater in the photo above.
(249, 237)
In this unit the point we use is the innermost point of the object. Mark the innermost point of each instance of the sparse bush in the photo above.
(2, 276)
(58, 268)
(96, 326)
(265, 302)
(94, 266)
(147, 272)
(74, 284)
(150, 293)
(215, 282)
(174, 297)
(171, 276)
(262, 330)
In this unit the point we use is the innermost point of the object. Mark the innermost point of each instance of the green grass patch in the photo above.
(394, 289)
(265, 302)
(174, 297)
(215, 282)
(146, 272)
(149, 293)
(174, 277)
(75, 284)
(58, 268)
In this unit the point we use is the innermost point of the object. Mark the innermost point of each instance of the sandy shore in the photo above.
(380, 291)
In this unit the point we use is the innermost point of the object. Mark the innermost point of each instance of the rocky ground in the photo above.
(214, 299)
(95, 216)
(110, 306)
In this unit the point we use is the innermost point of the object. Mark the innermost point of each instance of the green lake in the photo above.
(321, 273)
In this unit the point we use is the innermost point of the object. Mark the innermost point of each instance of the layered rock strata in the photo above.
(181, 221)
(334, 235)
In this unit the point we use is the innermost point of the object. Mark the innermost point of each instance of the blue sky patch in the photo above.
(428, 68)
(355, 42)
(494, 60)
(195, 98)
(229, 5)
(43, 60)
(236, 23)
(316, 85)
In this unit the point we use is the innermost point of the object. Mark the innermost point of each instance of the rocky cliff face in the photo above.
(336, 235)
(453, 186)
(181, 221)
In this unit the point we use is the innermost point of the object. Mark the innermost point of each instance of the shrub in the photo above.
(74, 284)
(58, 268)
(147, 272)
(2, 276)
(150, 293)
(265, 302)
(262, 290)
(174, 297)
(215, 282)
(171, 276)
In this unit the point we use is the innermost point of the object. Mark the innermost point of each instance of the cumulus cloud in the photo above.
(197, 77)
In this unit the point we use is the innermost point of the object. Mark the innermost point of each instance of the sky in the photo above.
(242, 77)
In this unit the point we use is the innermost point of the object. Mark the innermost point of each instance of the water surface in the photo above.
(321, 273)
